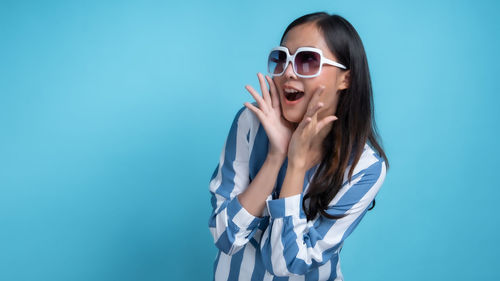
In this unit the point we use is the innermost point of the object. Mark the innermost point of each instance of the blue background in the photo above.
(113, 115)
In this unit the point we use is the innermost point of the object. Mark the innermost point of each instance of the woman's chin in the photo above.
(292, 117)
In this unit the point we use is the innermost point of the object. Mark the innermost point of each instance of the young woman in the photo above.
(301, 165)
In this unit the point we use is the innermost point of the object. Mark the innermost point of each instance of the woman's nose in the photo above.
(289, 73)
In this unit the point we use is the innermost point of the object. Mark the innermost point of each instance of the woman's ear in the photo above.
(345, 80)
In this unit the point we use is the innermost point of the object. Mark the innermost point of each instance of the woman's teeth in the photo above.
(292, 94)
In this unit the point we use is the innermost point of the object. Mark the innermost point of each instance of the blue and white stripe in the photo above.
(281, 244)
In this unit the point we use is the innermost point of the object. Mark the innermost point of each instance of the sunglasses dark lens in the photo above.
(307, 63)
(276, 62)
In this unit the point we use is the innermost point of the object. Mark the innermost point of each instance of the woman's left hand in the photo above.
(300, 152)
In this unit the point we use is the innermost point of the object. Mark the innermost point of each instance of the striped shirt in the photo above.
(281, 244)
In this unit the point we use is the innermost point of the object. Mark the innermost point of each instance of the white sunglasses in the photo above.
(307, 62)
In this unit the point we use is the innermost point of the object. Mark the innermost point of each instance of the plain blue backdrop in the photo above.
(113, 115)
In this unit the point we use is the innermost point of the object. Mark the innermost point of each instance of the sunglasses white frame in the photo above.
(290, 58)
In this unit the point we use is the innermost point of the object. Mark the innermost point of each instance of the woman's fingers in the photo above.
(265, 102)
(254, 109)
(263, 88)
(260, 101)
(274, 92)
(315, 110)
(311, 116)
(312, 108)
(303, 123)
(313, 102)
(312, 112)
(321, 124)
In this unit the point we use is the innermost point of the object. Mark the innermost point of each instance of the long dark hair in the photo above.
(356, 123)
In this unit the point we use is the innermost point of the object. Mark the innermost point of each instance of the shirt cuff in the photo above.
(240, 216)
(288, 206)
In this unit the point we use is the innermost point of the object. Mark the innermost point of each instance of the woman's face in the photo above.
(331, 77)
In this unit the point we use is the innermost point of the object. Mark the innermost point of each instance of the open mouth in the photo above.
(293, 95)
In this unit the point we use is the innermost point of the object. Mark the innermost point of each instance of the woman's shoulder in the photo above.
(245, 119)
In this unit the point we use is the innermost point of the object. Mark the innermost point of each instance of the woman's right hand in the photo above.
(278, 129)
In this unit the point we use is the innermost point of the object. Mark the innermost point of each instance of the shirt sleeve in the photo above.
(231, 225)
(293, 246)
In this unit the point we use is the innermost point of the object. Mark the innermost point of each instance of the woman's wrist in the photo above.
(275, 159)
(293, 182)
(297, 165)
